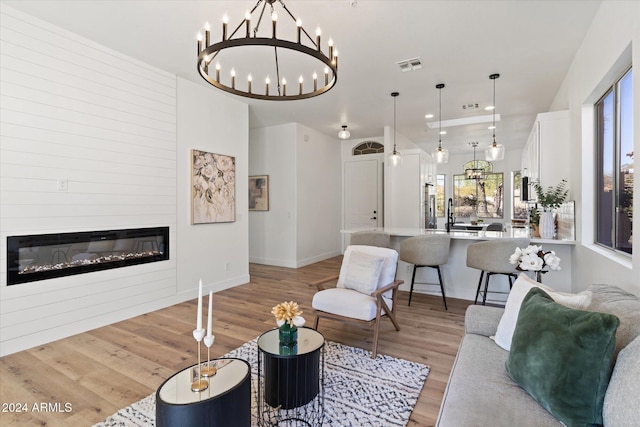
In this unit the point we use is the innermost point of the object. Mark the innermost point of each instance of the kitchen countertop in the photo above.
(511, 232)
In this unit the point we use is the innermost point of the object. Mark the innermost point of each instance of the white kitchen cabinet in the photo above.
(545, 157)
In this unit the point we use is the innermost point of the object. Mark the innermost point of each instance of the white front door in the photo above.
(363, 193)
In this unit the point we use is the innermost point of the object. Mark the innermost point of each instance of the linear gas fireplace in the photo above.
(45, 256)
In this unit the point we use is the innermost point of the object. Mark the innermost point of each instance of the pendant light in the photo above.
(440, 154)
(395, 158)
(494, 151)
(344, 133)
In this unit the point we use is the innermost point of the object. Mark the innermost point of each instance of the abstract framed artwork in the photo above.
(213, 188)
(259, 193)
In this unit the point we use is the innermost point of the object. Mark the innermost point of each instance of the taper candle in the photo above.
(209, 314)
(199, 305)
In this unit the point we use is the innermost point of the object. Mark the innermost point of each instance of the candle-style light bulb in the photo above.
(247, 20)
(284, 86)
(225, 21)
(300, 80)
(274, 19)
(249, 80)
(207, 34)
(318, 33)
(315, 81)
(233, 78)
(326, 76)
(199, 38)
(299, 25)
(217, 71)
(335, 58)
(267, 81)
(330, 43)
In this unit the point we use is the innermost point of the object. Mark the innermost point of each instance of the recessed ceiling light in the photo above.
(428, 116)
(489, 107)
(491, 127)
(443, 132)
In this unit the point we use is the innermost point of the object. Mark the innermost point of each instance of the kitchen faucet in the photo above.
(450, 218)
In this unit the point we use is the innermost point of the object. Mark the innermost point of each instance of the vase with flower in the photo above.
(534, 259)
(549, 200)
(288, 320)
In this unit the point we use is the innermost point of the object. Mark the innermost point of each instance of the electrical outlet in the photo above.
(63, 184)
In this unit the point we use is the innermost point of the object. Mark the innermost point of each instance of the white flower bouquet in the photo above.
(533, 258)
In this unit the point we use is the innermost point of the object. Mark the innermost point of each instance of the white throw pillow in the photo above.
(520, 289)
(363, 272)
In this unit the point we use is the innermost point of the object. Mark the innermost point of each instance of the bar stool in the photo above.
(426, 251)
(371, 238)
(492, 257)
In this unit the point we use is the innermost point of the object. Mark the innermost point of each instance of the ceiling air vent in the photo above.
(471, 106)
(410, 64)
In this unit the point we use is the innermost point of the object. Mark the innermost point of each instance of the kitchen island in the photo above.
(462, 281)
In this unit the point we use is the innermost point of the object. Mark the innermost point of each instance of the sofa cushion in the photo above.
(626, 306)
(520, 288)
(621, 401)
(480, 393)
(563, 357)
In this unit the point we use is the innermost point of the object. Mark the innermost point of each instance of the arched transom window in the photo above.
(368, 147)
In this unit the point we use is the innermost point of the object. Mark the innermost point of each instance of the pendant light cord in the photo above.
(440, 119)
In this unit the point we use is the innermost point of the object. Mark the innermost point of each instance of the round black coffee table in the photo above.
(291, 379)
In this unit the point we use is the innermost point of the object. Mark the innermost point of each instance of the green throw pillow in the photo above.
(563, 358)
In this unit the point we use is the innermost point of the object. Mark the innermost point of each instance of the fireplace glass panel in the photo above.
(45, 256)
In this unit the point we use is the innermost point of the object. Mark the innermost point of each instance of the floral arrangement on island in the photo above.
(289, 313)
(533, 258)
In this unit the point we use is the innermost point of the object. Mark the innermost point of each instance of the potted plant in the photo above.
(548, 200)
(534, 220)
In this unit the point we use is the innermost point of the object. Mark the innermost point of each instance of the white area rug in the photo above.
(359, 391)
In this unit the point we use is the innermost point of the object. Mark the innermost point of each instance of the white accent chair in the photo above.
(366, 289)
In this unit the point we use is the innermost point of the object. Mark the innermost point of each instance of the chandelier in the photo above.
(223, 76)
(476, 169)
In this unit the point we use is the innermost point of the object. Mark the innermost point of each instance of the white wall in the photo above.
(319, 189)
(302, 225)
(613, 39)
(272, 234)
(120, 131)
(217, 253)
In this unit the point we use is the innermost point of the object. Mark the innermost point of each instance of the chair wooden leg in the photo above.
(479, 286)
(389, 313)
(374, 351)
(413, 279)
(444, 297)
(315, 324)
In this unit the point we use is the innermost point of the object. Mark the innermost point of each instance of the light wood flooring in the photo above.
(103, 370)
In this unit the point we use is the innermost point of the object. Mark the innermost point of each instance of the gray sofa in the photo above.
(480, 393)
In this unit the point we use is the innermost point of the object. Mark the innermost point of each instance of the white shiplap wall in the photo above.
(74, 110)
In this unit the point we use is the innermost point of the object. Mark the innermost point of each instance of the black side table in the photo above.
(226, 402)
(291, 380)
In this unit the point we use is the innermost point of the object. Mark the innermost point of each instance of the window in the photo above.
(487, 194)
(614, 170)
(520, 209)
(368, 147)
(440, 201)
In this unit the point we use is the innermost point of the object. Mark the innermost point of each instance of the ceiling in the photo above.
(460, 43)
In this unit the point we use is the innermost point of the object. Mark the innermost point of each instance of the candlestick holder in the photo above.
(209, 370)
(198, 383)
